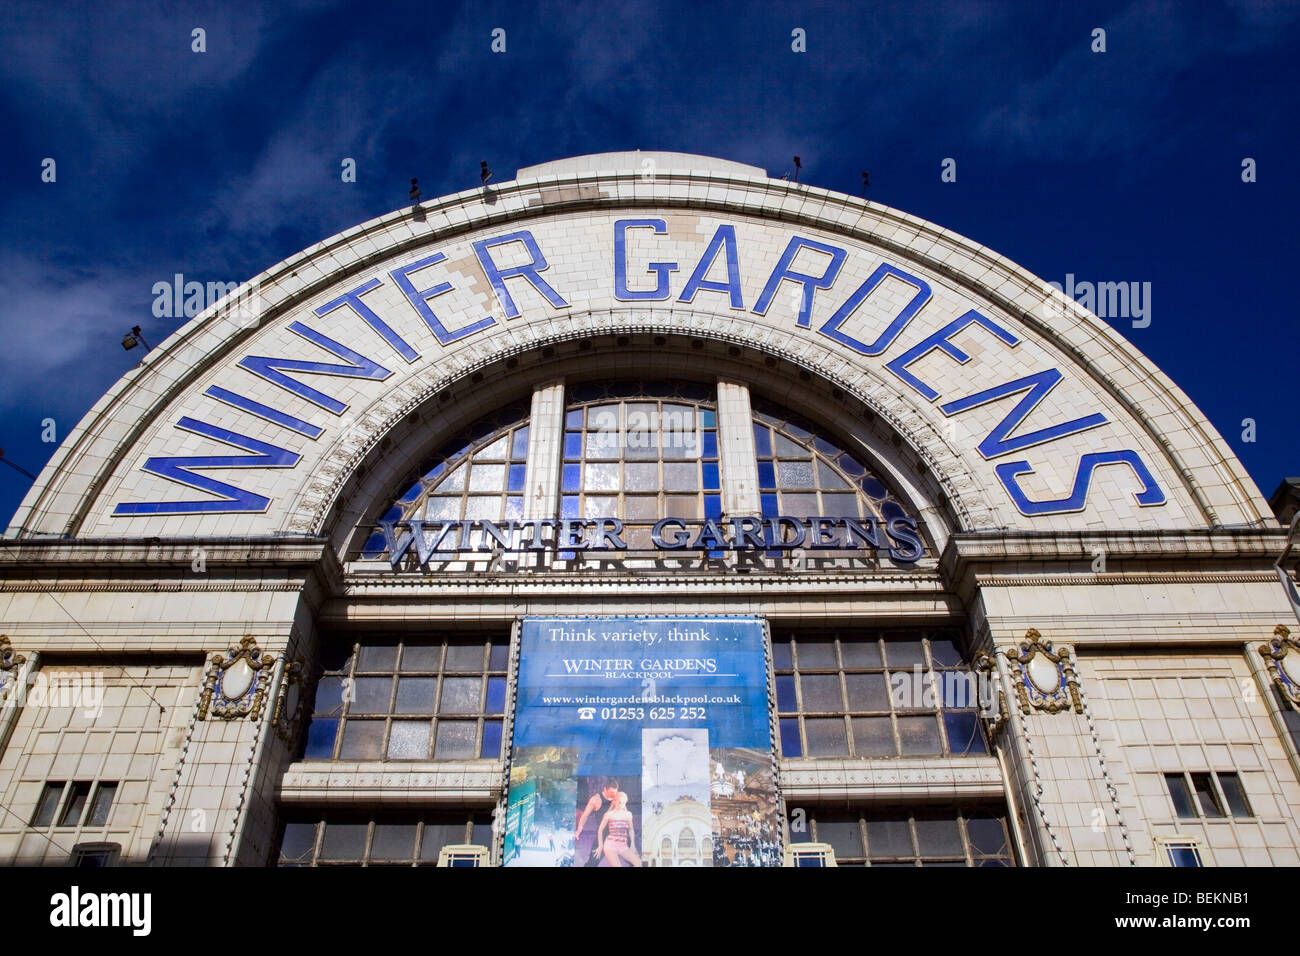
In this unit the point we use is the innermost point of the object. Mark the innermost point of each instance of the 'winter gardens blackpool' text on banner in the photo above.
(642, 742)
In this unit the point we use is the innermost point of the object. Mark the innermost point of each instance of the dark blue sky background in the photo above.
(1122, 166)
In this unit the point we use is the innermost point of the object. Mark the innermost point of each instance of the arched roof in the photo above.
(1022, 405)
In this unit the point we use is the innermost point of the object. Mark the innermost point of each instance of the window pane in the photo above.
(904, 653)
(785, 448)
(790, 744)
(377, 657)
(601, 477)
(785, 698)
(409, 740)
(800, 506)
(498, 657)
(681, 506)
(821, 693)
(816, 655)
(826, 737)
(491, 748)
(496, 695)
(487, 478)
(1205, 795)
(362, 740)
(987, 834)
(393, 841)
(371, 695)
(298, 843)
(939, 836)
(964, 736)
(415, 695)
(828, 478)
(860, 653)
(442, 508)
(101, 805)
(782, 659)
(919, 735)
(329, 695)
(460, 695)
(440, 834)
(456, 738)
(320, 738)
(1181, 795)
(795, 474)
(889, 837)
(1235, 794)
(637, 507)
(465, 657)
(421, 657)
(874, 737)
(641, 476)
(75, 805)
(844, 834)
(681, 476)
(519, 444)
(867, 691)
(344, 841)
(944, 652)
(49, 802)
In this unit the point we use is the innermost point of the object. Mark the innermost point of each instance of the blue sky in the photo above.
(1115, 166)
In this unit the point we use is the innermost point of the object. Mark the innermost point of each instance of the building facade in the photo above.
(269, 602)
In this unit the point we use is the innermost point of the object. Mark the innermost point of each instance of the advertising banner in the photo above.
(642, 742)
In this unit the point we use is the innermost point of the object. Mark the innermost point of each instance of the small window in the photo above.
(76, 804)
(1235, 795)
(100, 806)
(1181, 795)
(1178, 851)
(1206, 795)
(95, 854)
(48, 804)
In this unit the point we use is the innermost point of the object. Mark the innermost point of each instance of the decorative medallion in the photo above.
(1045, 679)
(289, 702)
(10, 662)
(236, 682)
(1282, 657)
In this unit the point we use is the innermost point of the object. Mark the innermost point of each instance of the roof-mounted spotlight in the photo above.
(484, 174)
(133, 338)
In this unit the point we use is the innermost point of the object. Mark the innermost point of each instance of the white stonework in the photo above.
(1161, 603)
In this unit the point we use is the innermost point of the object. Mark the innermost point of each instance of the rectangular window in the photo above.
(76, 803)
(410, 700)
(1235, 795)
(48, 804)
(1213, 791)
(392, 839)
(1203, 784)
(1178, 851)
(101, 805)
(875, 694)
(931, 837)
(1181, 795)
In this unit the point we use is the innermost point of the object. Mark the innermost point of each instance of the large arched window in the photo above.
(641, 451)
(477, 474)
(638, 451)
(802, 472)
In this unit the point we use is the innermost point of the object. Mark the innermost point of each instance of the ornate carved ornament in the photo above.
(992, 701)
(290, 702)
(1282, 658)
(236, 683)
(1045, 679)
(10, 662)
